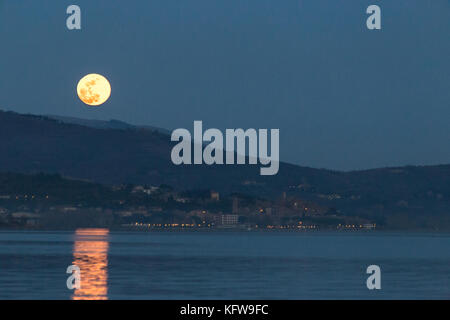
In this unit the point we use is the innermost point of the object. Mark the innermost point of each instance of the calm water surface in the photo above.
(232, 265)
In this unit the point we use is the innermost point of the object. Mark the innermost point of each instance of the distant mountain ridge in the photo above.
(32, 144)
(103, 124)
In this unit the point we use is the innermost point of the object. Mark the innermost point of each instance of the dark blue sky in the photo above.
(343, 97)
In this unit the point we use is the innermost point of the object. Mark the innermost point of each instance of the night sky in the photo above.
(343, 97)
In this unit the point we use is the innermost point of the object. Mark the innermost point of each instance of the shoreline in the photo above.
(231, 230)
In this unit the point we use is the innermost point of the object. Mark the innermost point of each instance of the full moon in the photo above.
(94, 89)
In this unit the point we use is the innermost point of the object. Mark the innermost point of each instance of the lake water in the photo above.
(228, 265)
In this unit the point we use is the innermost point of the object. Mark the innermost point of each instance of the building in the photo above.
(27, 218)
(235, 208)
(147, 190)
(182, 199)
(230, 219)
(215, 196)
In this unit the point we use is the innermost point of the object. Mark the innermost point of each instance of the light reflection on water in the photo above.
(90, 254)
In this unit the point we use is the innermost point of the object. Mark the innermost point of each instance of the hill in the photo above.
(33, 144)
